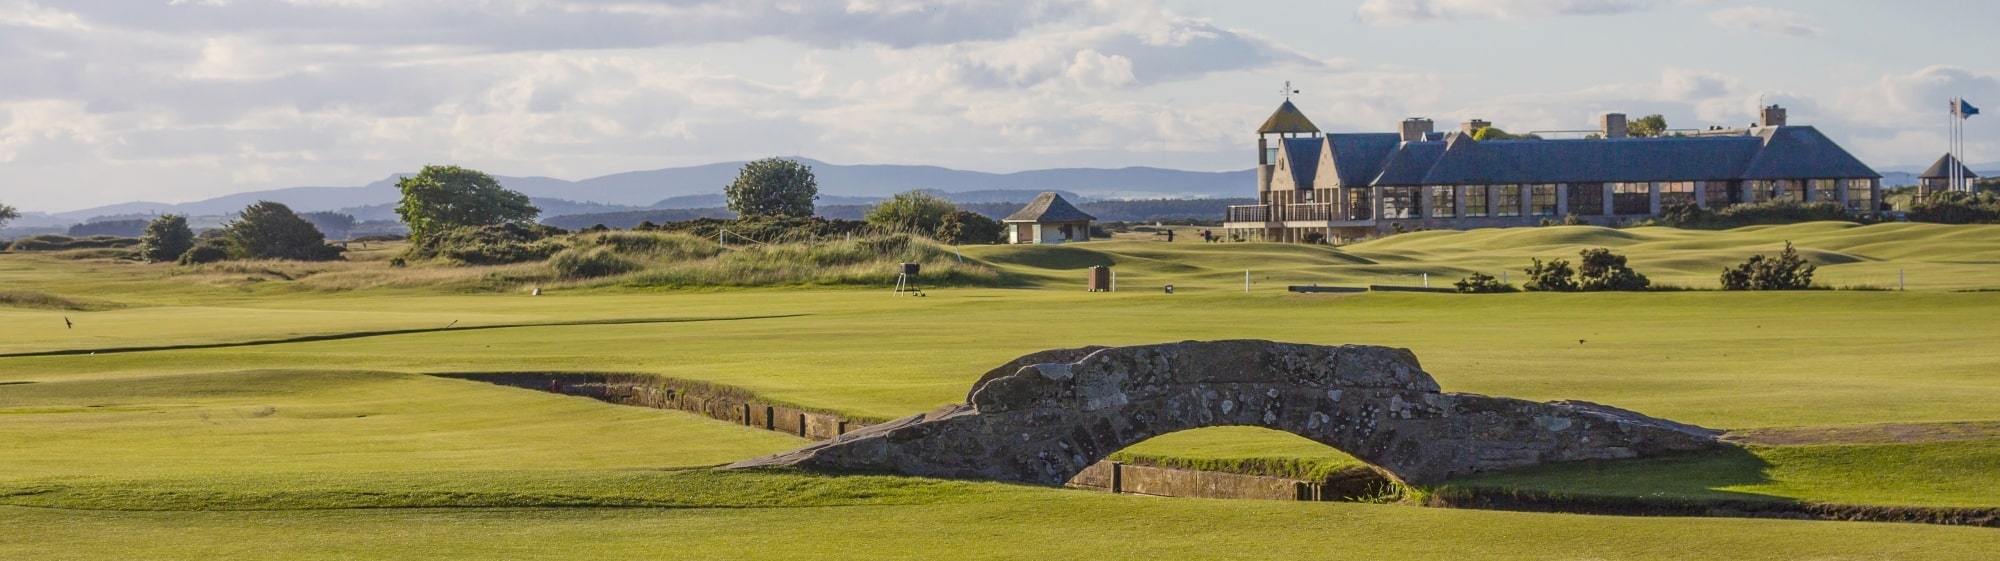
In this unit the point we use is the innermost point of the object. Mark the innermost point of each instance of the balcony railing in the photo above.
(1249, 213)
(1309, 212)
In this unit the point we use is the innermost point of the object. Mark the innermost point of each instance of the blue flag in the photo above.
(1964, 110)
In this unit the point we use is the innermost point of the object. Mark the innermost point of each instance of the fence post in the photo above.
(1246, 281)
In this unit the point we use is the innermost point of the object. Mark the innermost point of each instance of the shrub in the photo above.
(166, 238)
(911, 211)
(1956, 208)
(1787, 272)
(208, 251)
(967, 227)
(497, 244)
(1602, 270)
(1314, 238)
(1690, 215)
(269, 230)
(1482, 283)
(590, 263)
(1554, 276)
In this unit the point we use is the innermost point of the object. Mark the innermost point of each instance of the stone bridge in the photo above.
(1044, 417)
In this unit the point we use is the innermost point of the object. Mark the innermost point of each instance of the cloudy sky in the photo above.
(105, 101)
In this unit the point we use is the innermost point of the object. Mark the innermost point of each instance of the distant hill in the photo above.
(1123, 211)
(701, 187)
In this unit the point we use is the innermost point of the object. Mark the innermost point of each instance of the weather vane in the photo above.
(1288, 91)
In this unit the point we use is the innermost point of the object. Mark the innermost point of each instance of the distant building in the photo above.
(1048, 219)
(1350, 186)
(1937, 179)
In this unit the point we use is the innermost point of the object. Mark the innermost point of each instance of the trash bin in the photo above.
(1100, 279)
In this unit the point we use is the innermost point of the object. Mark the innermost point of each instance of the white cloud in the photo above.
(1390, 12)
(1758, 19)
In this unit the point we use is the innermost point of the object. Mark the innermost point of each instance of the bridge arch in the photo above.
(1046, 416)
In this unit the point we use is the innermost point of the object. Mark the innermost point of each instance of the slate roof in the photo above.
(1408, 164)
(1467, 161)
(1358, 157)
(1793, 152)
(1942, 169)
(1049, 207)
(1804, 153)
(1302, 155)
(1287, 119)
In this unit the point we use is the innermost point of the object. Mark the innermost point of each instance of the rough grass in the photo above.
(46, 301)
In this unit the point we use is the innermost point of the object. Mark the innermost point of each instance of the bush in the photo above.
(208, 251)
(1690, 215)
(911, 211)
(269, 230)
(1314, 238)
(591, 263)
(1787, 272)
(166, 238)
(497, 244)
(1956, 208)
(967, 227)
(770, 229)
(58, 242)
(1482, 283)
(1602, 270)
(1554, 276)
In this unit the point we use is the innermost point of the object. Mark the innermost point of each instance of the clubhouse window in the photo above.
(1631, 198)
(1476, 203)
(1444, 201)
(1509, 203)
(1542, 200)
(1586, 199)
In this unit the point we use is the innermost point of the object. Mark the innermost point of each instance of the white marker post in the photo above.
(1246, 281)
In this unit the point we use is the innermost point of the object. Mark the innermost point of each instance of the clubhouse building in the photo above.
(1351, 186)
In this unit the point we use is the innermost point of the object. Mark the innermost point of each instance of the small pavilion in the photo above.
(1048, 220)
(1938, 178)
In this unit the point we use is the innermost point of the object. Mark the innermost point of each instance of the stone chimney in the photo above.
(1773, 116)
(1473, 126)
(1415, 128)
(1612, 125)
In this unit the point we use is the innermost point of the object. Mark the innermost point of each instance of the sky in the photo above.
(106, 101)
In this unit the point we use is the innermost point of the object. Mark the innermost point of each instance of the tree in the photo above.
(1554, 276)
(773, 187)
(1482, 283)
(916, 210)
(166, 238)
(967, 227)
(269, 230)
(444, 197)
(1647, 127)
(1787, 272)
(8, 214)
(1492, 133)
(1603, 270)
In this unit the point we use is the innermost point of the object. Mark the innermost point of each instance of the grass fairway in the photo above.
(263, 446)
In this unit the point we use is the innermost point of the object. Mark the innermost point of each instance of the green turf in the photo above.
(273, 428)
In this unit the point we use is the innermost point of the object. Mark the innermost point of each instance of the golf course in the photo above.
(286, 410)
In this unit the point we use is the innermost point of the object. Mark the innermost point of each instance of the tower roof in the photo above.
(1287, 119)
(1942, 169)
